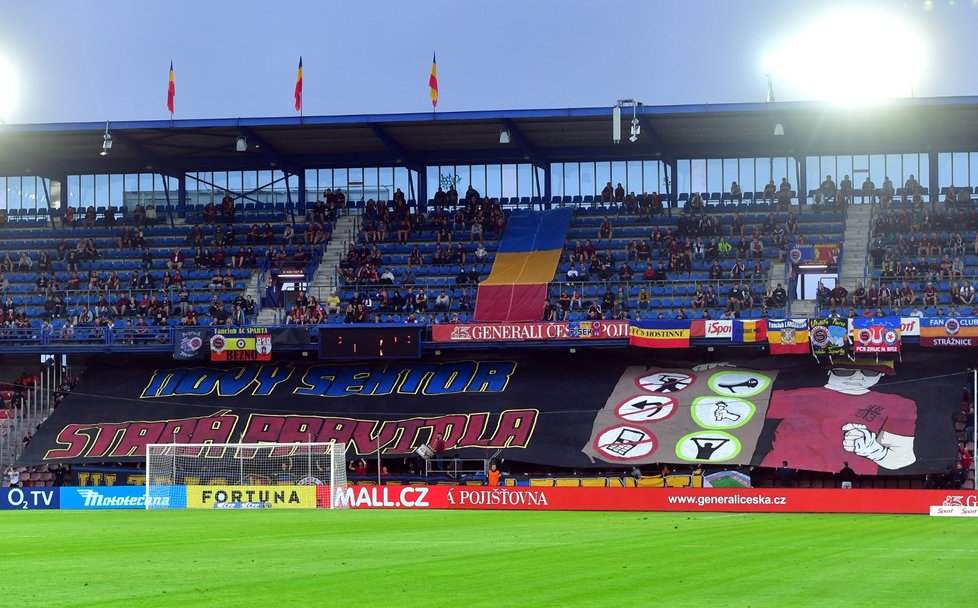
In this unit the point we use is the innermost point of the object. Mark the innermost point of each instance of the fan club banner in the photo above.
(521, 332)
(660, 334)
(241, 344)
(817, 254)
(188, 343)
(875, 335)
(828, 337)
(788, 336)
(582, 410)
(949, 331)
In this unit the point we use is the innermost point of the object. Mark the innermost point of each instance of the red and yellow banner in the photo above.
(788, 337)
(659, 334)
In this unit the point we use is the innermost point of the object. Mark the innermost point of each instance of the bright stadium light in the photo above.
(851, 56)
(9, 89)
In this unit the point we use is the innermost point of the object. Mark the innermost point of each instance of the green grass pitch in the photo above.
(481, 558)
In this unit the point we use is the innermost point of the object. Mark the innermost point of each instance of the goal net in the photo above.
(244, 475)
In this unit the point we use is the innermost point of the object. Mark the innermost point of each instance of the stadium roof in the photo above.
(539, 136)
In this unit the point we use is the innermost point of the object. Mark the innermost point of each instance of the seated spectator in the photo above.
(737, 270)
(905, 295)
(442, 302)
(838, 295)
(885, 296)
(822, 294)
(605, 231)
(967, 293)
(643, 299)
(734, 301)
(930, 295)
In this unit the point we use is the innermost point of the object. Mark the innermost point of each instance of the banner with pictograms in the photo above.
(589, 410)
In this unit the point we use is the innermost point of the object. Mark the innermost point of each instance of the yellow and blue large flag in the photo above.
(298, 87)
(433, 82)
(525, 263)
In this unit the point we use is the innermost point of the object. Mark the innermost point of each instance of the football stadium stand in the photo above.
(327, 240)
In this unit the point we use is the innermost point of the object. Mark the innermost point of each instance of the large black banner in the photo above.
(587, 410)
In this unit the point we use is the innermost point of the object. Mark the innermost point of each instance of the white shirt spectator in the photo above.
(13, 477)
(480, 252)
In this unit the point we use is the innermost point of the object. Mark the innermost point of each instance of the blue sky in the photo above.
(93, 61)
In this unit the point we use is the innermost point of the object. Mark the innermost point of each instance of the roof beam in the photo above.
(654, 141)
(279, 160)
(529, 150)
(392, 145)
(153, 162)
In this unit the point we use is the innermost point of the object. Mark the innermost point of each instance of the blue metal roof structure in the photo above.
(541, 136)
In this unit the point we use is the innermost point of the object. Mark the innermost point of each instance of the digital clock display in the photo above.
(370, 342)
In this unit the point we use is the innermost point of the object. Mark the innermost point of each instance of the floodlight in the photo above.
(106, 141)
(241, 144)
(504, 136)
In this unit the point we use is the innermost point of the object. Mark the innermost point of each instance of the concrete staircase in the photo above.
(324, 280)
(855, 246)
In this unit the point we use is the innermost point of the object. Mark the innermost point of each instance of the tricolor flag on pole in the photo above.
(433, 82)
(298, 87)
(171, 90)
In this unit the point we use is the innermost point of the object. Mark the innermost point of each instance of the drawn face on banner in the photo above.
(853, 381)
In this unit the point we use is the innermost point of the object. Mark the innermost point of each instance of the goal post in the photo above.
(244, 475)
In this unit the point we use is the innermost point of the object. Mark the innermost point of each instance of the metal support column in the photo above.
(182, 195)
(422, 193)
(302, 189)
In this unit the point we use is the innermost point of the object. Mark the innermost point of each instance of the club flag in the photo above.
(298, 87)
(241, 344)
(750, 330)
(788, 336)
(433, 81)
(660, 334)
(829, 337)
(171, 90)
(949, 331)
(876, 335)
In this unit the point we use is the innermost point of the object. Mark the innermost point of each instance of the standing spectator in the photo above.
(784, 476)
(492, 475)
(438, 447)
(846, 477)
(13, 477)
